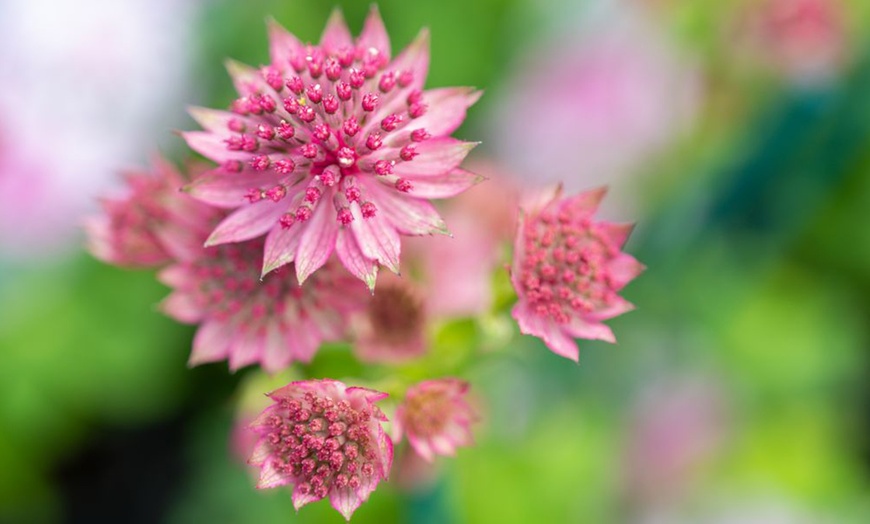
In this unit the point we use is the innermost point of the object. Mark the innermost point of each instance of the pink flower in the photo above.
(152, 224)
(567, 270)
(272, 321)
(327, 440)
(436, 417)
(392, 327)
(333, 147)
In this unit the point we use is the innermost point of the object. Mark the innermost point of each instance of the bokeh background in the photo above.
(736, 133)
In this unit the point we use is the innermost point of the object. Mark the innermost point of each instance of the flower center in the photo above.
(396, 313)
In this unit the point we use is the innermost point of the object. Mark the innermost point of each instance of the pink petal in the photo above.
(276, 355)
(336, 35)
(409, 215)
(445, 185)
(280, 248)
(374, 34)
(212, 146)
(246, 79)
(447, 109)
(580, 328)
(248, 222)
(300, 499)
(182, 307)
(345, 501)
(282, 45)
(377, 238)
(532, 324)
(270, 477)
(585, 203)
(352, 257)
(303, 342)
(616, 308)
(422, 447)
(220, 188)
(519, 254)
(623, 269)
(216, 121)
(246, 347)
(175, 276)
(436, 156)
(210, 343)
(617, 233)
(317, 242)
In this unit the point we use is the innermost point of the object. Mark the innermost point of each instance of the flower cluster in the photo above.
(336, 148)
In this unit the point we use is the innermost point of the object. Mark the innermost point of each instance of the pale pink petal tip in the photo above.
(325, 439)
(568, 269)
(338, 141)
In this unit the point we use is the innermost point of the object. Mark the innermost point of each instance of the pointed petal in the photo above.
(282, 45)
(303, 341)
(445, 185)
(352, 257)
(436, 156)
(220, 188)
(374, 34)
(210, 343)
(174, 276)
(317, 242)
(585, 203)
(216, 121)
(447, 109)
(336, 35)
(411, 216)
(212, 146)
(246, 79)
(246, 347)
(617, 233)
(377, 238)
(248, 222)
(414, 58)
(580, 328)
(182, 307)
(617, 307)
(532, 324)
(300, 499)
(270, 477)
(345, 501)
(276, 355)
(622, 270)
(280, 248)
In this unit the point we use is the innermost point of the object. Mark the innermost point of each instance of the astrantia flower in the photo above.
(436, 417)
(327, 440)
(392, 326)
(272, 321)
(567, 270)
(333, 147)
(152, 223)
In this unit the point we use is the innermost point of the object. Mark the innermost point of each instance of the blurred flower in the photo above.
(392, 328)
(335, 148)
(590, 107)
(327, 440)
(676, 426)
(567, 271)
(458, 269)
(152, 223)
(247, 319)
(75, 109)
(804, 39)
(436, 417)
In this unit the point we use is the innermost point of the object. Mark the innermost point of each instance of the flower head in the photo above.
(326, 439)
(152, 223)
(567, 270)
(436, 417)
(333, 147)
(392, 328)
(272, 321)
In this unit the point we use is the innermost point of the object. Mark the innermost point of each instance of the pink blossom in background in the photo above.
(271, 321)
(152, 223)
(334, 147)
(327, 440)
(76, 110)
(805, 40)
(436, 417)
(593, 104)
(458, 269)
(677, 426)
(392, 327)
(568, 269)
